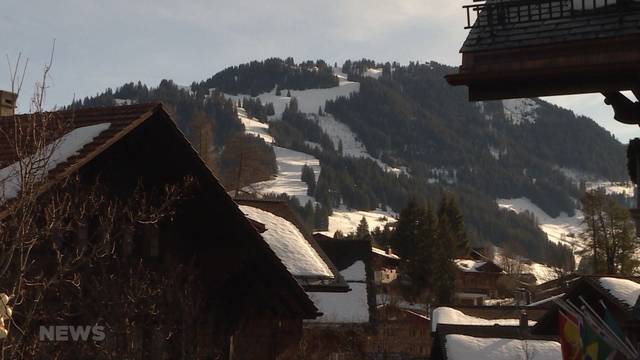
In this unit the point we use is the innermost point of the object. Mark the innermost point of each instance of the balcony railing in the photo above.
(492, 13)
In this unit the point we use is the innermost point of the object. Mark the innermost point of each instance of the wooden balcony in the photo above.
(549, 47)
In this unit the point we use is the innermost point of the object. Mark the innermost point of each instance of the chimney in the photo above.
(524, 324)
(7, 103)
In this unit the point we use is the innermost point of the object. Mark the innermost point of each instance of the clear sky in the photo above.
(102, 44)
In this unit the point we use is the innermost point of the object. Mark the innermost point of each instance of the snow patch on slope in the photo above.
(562, 229)
(287, 180)
(347, 220)
(373, 73)
(351, 146)
(309, 100)
(520, 111)
(255, 127)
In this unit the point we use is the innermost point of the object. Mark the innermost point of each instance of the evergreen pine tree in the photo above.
(362, 231)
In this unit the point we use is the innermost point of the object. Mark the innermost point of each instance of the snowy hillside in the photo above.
(340, 133)
(309, 101)
(287, 180)
(255, 127)
(347, 220)
(520, 111)
(562, 229)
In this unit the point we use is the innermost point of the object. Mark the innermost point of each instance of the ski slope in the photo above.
(347, 220)
(339, 132)
(287, 180)
(309, 100)
(255, 127)
(562, 229)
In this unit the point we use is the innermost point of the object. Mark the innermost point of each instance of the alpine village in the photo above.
(316, 210)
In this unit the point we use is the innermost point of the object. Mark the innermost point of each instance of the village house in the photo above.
(385, 266)
(476, 281)
(216, 288)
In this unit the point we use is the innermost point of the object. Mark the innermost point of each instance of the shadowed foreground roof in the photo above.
(122, 121)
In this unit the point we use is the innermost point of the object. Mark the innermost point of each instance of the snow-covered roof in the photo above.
(384, 253)
(284, 238)
(463, 347)
(58, 152)
(477, 266)
(447, 315)
(469, 265)
(624, 290)
(350, 307)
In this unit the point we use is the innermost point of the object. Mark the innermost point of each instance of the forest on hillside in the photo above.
(408, 118)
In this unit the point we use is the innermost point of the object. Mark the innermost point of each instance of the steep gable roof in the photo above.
(123, 120)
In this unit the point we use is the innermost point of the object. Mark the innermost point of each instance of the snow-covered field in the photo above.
(347, 220)
(309, 100)
(562, 229)
(287, 180)
(351, 146)
(255, 127)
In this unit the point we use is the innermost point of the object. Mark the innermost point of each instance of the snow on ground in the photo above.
(289, 244)
(350, 307)
(347, 220)
(447, 315)
(287, 179)
(463, 347)
(52, 155)
(255, 127)
(520, 111)
(543, 273)
(351, 147)
(613, 187)
(309, 100)
(624, 290)
(561, 229)
(373, 73)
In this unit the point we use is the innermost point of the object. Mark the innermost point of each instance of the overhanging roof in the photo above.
(549, 54)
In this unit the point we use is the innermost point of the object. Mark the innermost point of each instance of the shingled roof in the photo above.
(532, 48)
(550, 22)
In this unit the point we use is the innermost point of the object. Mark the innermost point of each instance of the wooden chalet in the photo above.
(385, 265)
(618, 294)
(252, 307)
(530, 48)
(476, 281)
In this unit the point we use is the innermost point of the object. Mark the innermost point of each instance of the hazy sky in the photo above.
(102, 44)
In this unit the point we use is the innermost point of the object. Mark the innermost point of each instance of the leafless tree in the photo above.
(66, 251)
